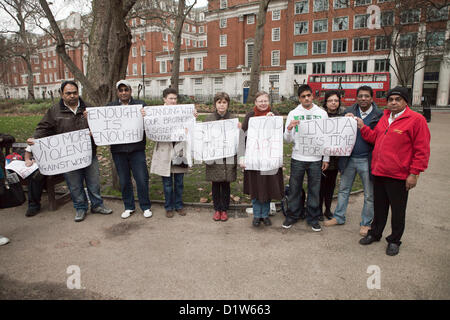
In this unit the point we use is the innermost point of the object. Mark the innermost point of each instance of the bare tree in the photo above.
(259, 38)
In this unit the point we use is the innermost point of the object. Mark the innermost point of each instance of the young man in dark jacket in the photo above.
(65, 116)
(358, 162)
(130, 157)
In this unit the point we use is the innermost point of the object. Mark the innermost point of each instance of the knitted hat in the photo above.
(402, 92)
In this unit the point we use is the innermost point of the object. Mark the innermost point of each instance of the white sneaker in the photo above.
(126, 214)
(3, 240)
(148, 213)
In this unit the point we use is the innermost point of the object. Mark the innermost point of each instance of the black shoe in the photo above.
(32, 212)
(321, 218)
(315, 226)
(328, 215)
(392, 249)
(368, 240)
(288, 222)
(267, 222)
(256, 222)
(80, 215)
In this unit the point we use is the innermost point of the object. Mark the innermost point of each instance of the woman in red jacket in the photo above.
(401, 152)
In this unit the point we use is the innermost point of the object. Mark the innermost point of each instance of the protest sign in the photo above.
(63, 152)
(116, 124)
(215, 139)
(19, 167)
(329, 137)
(169, 123)
(264, 147)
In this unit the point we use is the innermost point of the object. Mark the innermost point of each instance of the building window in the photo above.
(340, 23)
(223, 4)
(223, 40)
(408, 40)
(223, 62)
(318, 67)
(201, 29)
(320, 5)
(186, 27)
(382, 65)
(45, 79)
(340, 4)
(276, 34)
(275, 58)
(301, 7)
(339, 45)
(251, 19)
(188, 42)
(300, 27)
(45, 66)
(320, 25)
(435, 39)
(143, 51)
(162, 67)
(276, 15)
(299, 68)
(360, 66)
(319, 47)
(223, 23)
(410, 16)
(362, 2)
(162, 83)
(164, 36)
(360, 44)
(134, 69)
(382, 43)
(338, 67)
(250, 47)
(198, 64)
(434, 14)
(300, 48)
(360, 21)
(387, 18)
(198, 81)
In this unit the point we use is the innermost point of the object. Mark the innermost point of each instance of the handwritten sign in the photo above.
(63, 152)
(169, 123)
(329, 137)
(21, 169)
(116, 124)
(264, 147)
(215, 140)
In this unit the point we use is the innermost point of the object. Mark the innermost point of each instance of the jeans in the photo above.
(260, 209)
(75, 181)
(360, 166)
(221, 195)
(125, 164)
(36, 184)
(173, 191)
(295, 205)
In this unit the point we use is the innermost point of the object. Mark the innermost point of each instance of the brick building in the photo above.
(302, 37)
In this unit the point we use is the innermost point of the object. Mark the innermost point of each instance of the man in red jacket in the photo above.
(401, 152)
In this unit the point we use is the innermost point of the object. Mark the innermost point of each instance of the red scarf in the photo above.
(259, 113)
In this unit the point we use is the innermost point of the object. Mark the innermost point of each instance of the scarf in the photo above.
(259, 113)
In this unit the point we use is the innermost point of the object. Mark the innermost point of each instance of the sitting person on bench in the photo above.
(36, 184)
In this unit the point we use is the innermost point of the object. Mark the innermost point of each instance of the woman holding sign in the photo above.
(221, 174)
(332, 105)
(261, 186)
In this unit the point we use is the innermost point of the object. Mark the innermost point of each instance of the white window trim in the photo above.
(353, 44)
(326, 47)
(319, 31)
(224, 42)
(278, 14)
(307, 28)
(279, 34)
(338, 30)
(223, 66)
(299, 55)
(332, 46)
(271, 58)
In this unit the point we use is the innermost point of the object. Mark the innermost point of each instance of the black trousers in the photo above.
(36, 184)
(388, 192)
(327, 185)
(221, 195)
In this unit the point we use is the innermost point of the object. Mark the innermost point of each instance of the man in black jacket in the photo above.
(130, 157)
(358, 162)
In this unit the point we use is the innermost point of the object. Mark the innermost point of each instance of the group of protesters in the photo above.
(392, 148)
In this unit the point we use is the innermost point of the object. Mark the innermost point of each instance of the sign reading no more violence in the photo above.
(63, 152)
(116, 124)
(169, 123)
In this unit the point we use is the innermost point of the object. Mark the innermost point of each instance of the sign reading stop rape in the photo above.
(216, 139)
(116, 124)
(63, 152)
(264, 147)
(329, 137)
(169, 123)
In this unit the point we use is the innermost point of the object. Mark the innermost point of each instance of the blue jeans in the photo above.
(260, 209)
(125, 164)
(173, 191)
(75, 181)
(354, 166)
(295, 205)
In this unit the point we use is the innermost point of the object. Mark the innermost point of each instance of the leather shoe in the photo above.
(267, 222)
(256, 222)
(32, 212)
(392, 249)
(368, 240)
(80, 215)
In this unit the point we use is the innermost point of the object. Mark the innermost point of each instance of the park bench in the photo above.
(54, 200)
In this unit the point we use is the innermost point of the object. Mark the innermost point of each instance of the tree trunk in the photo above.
(177, 45)
(257, 52)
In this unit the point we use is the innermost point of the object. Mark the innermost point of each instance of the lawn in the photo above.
(196, 189)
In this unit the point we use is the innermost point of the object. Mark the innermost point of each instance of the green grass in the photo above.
(195, 186)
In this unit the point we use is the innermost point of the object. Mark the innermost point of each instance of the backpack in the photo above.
(284, 201)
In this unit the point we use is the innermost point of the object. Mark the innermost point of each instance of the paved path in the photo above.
(193, 257)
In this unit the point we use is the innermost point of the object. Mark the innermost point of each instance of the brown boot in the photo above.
(181, 212)
(169, 213)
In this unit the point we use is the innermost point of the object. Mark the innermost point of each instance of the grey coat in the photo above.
(221, 172)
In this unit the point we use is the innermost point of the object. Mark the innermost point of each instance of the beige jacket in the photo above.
(163, 153)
